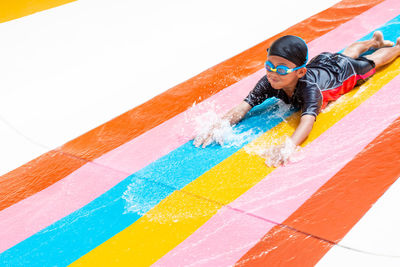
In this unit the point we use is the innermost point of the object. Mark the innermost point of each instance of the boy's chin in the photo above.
(275, 86)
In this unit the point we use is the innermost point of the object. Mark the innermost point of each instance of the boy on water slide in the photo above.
(308, 87)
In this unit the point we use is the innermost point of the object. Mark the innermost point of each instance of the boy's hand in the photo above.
(218, 130)
(280, 154)
(213, 133)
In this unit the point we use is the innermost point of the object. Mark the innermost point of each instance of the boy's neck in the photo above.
(289, 90)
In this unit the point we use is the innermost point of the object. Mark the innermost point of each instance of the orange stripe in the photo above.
(14, 9)
(165, 106)
(335, 208)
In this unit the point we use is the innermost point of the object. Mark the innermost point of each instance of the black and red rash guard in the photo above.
(328, 77)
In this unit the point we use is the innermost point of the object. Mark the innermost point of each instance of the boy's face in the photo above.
(287, 81)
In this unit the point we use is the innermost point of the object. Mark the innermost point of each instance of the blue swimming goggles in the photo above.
(281, 69)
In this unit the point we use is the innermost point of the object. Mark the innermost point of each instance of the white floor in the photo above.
(67, 70)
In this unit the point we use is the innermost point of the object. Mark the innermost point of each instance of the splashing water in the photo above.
(140, 196)
(285, 153)
(221, 130)
(191, 116)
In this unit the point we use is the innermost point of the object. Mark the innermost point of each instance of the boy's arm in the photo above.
(303, 129)
(237, 113)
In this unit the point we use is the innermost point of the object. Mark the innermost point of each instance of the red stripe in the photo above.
(366, 75)
(347, 86)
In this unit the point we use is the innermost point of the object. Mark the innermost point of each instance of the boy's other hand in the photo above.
(280, 154)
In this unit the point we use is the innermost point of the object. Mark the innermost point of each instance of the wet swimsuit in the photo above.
(329, 75)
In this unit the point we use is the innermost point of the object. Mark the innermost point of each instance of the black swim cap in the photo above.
(292, 48)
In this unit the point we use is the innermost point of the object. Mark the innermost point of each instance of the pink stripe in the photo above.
(232, 223)
(155, 143)
(286, 189)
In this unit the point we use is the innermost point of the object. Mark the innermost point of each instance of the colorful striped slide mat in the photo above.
(136, 192)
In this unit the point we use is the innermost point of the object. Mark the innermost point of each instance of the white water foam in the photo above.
(210, 122)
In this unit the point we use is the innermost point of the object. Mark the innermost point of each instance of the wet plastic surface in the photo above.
(103, 199)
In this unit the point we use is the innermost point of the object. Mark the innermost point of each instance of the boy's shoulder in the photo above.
(310, 79)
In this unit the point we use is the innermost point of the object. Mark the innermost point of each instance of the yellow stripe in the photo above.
(149, 238)
(13, 9)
